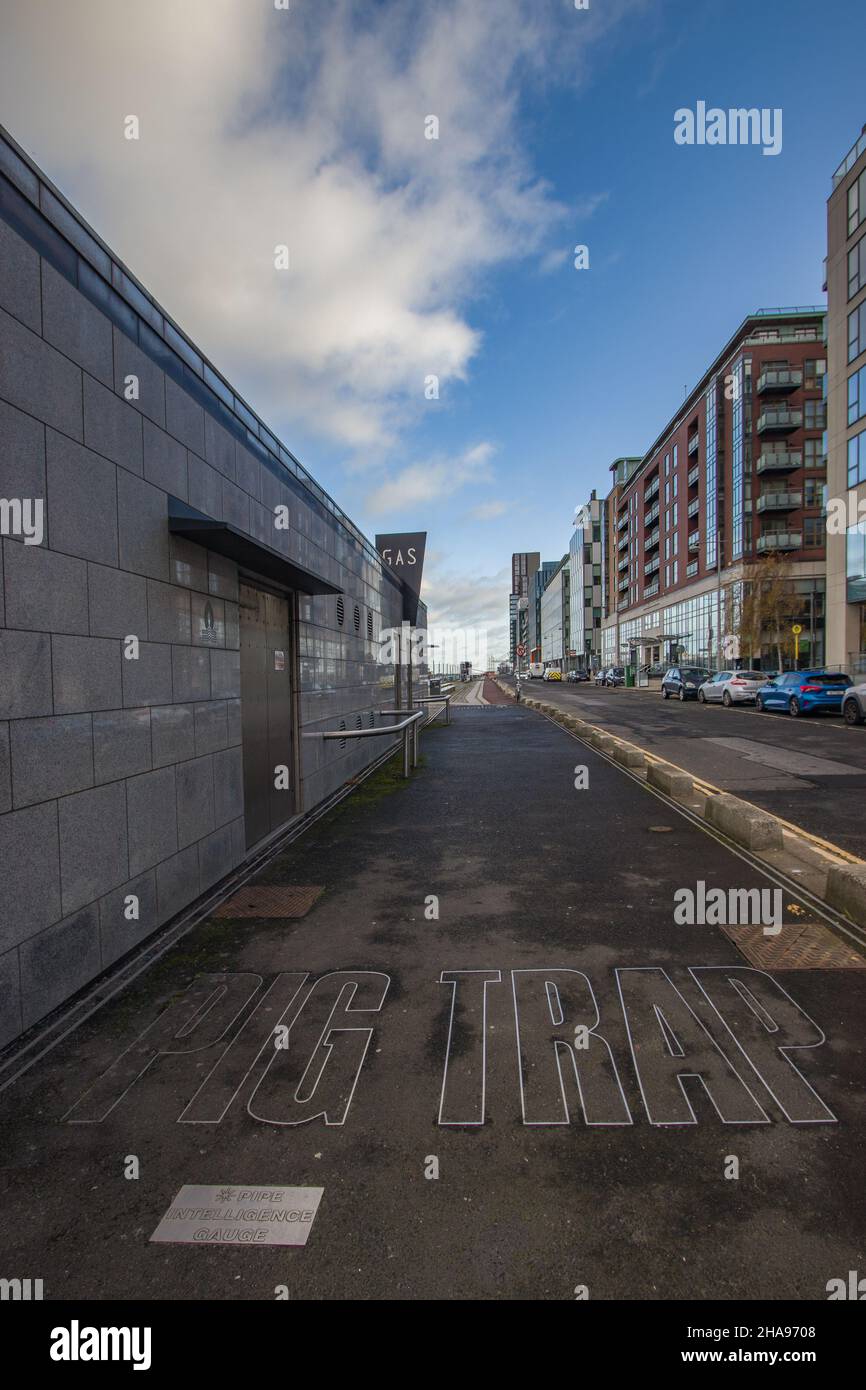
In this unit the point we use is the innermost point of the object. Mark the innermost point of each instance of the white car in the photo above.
(732, 688)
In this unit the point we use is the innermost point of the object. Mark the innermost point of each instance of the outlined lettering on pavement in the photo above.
(292, 1051)
(548, 1006)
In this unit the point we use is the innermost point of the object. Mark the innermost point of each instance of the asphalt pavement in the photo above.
(811, 771)
(509, 1070)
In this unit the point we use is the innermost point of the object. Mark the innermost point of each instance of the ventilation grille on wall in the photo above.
(357, 618)
(369, 625)
(341, 610)
(342, 730)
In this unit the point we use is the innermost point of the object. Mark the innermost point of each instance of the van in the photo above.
(536, 670)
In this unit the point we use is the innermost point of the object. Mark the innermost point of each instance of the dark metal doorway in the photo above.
(266, 711)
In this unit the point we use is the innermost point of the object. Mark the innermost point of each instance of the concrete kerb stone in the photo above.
(744, 824)
(627, 756)
(670, 780)
(846, 890)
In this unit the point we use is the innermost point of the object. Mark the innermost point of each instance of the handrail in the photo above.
(402, 727)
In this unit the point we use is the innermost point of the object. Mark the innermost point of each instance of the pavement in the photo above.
(810, 771)
(512, 1075)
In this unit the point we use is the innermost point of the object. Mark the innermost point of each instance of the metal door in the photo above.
(266, 711)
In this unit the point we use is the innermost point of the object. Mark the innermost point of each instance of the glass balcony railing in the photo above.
(694, 540)
(651, 540)
(778, 379)
(779, 501)
(780, 421)
(694, 441)
(651, 516)
(780, 460)
(694, 474)
(773, 541)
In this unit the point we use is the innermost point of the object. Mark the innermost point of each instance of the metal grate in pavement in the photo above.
(799, 946)
(270, 900)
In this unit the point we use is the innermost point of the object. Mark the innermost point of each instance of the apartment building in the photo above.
(846, 422)
(524, 565)
(737, 474)
(585, 586)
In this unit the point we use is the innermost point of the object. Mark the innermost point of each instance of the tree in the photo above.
(769, 606)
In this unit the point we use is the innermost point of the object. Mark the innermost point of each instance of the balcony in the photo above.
(651, 589)
(694, 441)
(622, 585)
(780, 461)
(623, 564)
(694, 540)
(694, 506)
(651, 516)
(780, 421)
(622, 544)
(651, 540)
(779, 380)
(691, 569)
(652, 490)
(694, 474)
(652, 566)
(773, 541)
(779, 501)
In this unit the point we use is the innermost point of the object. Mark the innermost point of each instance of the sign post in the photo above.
(796, 629)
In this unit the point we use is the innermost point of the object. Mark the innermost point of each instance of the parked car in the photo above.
(576, 676)
(684, 681)
(615, 675)
(854, 704)
(731, 687)
(600, 675)
(805, 692)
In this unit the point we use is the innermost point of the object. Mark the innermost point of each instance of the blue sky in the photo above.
(412, 257)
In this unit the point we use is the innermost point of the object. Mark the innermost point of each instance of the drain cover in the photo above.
(270, 900)
(799, 946)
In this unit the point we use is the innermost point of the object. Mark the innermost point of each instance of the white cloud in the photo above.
(489, 511)
(305, 127)
(456, 602)
(432, 481)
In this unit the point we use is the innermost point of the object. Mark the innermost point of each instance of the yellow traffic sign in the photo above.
(796, 629)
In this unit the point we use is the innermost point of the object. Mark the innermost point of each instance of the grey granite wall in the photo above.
(123, 777)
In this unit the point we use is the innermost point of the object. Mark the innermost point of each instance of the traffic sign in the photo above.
(796, 629)
(521, 650)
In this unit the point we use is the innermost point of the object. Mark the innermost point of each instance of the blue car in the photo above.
(804, 692)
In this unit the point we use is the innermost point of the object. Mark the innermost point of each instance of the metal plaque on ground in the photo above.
(225, 1215)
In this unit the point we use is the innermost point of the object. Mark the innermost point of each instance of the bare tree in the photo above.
(768, 608)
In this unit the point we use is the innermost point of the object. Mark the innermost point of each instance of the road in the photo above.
(810, 771)
(438, 996)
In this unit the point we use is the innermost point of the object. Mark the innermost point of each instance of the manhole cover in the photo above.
(270, 900)
(799, 946)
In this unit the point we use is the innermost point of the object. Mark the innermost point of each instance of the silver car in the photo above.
(854, 704)
(732, 687)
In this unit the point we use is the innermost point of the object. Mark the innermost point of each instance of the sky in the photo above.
(410, 258)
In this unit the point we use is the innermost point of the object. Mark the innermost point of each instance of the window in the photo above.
(676, 543)
(857, 267)
(856, 203)
(813, 531)
(676, 453)
(667, 576)
(667, 492)
(857, 396)
(813, 491)
(667, 464)
(814, 453)
(813, 371)
(855, 542)
(676, 514)
(676, 482)
(857, 459)
(676, 571)
(857, 331)
(813, 415)
(668, 548)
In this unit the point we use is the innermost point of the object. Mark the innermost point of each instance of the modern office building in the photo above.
(846, 422)
(737, 474)
(187, 617)
(555, 617)
(585, 586)
(539, 583)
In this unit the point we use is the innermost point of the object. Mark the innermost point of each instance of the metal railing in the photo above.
(402, 728)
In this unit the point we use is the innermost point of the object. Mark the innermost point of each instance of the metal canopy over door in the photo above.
(266, 710)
